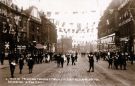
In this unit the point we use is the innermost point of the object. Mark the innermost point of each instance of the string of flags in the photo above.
(75, 30)
(74, 27)
(49, 13)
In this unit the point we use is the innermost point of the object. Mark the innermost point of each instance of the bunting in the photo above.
(73, 30)
(68, 30)
(49, 13)
(88, 30)
(56, 13)
(75, 12)
(78, 27)
(71, 23)
(60, 30)
(65, 30)
(63, 24)
(76, 30)
(57, 23)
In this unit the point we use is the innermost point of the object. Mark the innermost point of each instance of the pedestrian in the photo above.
(124, 61)
(73, 59)
(76, 56)
(12, 68)
(58, 60)
(40, 55)
(51, 55)
(48, 57)
(68, 59)
(97, 56)
(21, 64)
(120, 60)
(91, 62)
(16, 54)
(30, 64)
(62, 60)
(116, 61)
(43, 57)
(12, 63)
(2, 58)
(131, 57)
(110, 59)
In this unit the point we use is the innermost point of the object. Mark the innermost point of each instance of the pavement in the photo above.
(48, 74)
(5, 65)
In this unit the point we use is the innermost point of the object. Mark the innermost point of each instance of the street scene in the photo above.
(67, 42)
(48, 74)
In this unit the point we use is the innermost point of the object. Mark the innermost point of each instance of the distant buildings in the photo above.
(117, 27)
(64, 45)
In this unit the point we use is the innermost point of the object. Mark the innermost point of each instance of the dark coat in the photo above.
(30, 63)
(21, 63)
(91, 59)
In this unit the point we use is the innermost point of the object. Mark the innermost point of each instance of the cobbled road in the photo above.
(48, 74)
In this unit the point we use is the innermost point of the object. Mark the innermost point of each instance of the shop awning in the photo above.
(39, 46)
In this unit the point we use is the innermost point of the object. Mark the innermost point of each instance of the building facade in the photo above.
(20, 28)
(117, 27)
(13, 26)
(64, 45)
(49, 33)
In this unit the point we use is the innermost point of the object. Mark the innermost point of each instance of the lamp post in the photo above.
(62, 44)
(28, 28)
(48, 41)
(17, 20)
(48, 35)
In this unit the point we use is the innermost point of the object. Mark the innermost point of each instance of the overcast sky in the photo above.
(66, 9)
(62, 5)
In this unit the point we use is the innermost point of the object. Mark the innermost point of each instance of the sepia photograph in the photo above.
(67, 42)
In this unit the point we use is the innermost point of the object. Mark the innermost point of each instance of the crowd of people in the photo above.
(16, 58)
(116, 60)
(20, 59)
(61, 58)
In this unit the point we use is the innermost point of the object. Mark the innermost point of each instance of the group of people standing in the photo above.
(19, 59)
(40, 57)
(118, 60)
(61, 58)
(16, 58)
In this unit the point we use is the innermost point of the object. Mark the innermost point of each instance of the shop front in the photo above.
(107, 43)
(126, 35)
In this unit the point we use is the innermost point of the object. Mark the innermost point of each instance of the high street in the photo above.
(38, 32)
(48, 74)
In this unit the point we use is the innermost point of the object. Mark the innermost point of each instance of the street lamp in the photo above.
(17, 19)
(48, 37)
(62, 44)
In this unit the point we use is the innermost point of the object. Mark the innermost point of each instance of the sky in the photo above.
(88, 12)
(62, 5)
